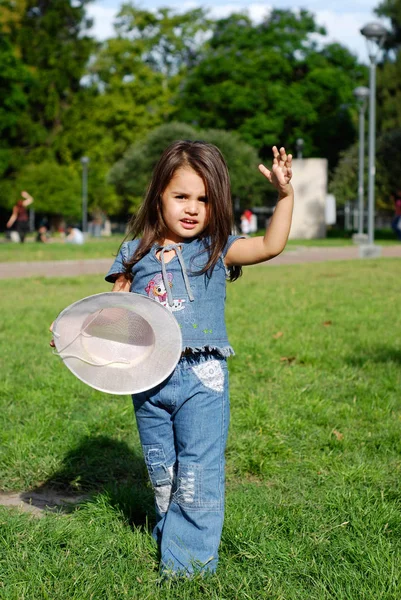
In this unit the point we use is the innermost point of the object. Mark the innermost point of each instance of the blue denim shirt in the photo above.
(197, 301)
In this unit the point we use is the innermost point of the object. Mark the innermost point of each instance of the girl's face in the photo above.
(184, 206)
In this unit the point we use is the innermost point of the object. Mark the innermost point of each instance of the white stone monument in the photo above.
(310, 187)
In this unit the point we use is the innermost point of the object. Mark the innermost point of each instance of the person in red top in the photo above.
(20, 216)
(396, 222)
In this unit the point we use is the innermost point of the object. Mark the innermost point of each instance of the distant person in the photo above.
(246, 222)
(74, 236)
(20, 216)
(396, 222)
(42, 235)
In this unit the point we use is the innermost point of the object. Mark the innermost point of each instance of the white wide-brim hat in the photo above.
(118, 342)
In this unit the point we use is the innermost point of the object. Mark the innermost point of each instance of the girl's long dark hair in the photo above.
(207, 161)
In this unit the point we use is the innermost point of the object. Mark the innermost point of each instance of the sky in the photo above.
(342, 19)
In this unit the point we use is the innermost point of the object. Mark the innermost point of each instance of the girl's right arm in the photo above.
(121, 284)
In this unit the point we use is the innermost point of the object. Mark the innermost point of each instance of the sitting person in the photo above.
(74, 235)
(42, 234)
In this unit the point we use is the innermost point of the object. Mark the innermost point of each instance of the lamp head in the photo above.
(361, 94)
(375, 34)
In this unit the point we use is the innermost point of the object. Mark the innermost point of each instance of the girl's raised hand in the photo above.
(281, 171)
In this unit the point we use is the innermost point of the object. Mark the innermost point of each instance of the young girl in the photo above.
(181, 254)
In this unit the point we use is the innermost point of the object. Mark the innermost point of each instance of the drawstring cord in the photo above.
(84, 333)
(177, 248)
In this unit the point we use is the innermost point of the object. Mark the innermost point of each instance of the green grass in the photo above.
(313, 459)
(58, 250)
(107, 248)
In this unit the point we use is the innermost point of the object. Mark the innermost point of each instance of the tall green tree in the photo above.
(14, 86)
(344, 183)
(272, 84)
(44, 50)
(389, 73)
(51, 41)
(56, 188)
(132, 173)
(129, 90)
(168, 41)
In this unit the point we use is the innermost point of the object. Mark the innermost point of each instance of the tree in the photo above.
(128, 91)
(392, 10)
(389, 74)
(55, 188)
(132, 173)
(272, 84)
(14, 82)
(48, 38)
(168, 41)
(344, 184)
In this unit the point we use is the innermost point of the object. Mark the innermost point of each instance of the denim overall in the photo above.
(183, 422)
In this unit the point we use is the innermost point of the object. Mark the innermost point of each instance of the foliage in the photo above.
(344, 184)
(51, 42)
(127, 90)
(388, 179)
(14, 82)
(168, 42)
(392, 10)
(63, 95)
(50, 52)
(389, 73)
(132, 173)
(56, 188)
(271, 83)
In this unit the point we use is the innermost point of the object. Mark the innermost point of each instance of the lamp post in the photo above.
(375, 35)
(361, 94)
(84, 163)
(299, 144)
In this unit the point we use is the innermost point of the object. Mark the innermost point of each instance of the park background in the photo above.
(242, 84)
(313, 460)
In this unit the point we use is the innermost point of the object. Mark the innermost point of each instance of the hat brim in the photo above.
(141, 365)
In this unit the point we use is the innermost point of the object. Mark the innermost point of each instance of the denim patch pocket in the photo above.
(211, 374)
(196, 488)
(155, 460)
(160, 475)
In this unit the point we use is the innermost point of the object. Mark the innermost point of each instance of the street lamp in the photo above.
(84, 163)
(361, 94)
(375, 35)
(299, 144)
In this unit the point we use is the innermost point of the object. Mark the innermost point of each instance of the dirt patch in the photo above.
(38, 503)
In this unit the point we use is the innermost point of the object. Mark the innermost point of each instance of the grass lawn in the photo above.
(108, 247)
(313, 460)
(58, 250)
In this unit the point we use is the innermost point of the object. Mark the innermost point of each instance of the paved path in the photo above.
(71, 268)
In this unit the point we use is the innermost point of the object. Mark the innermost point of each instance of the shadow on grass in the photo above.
(374, 354)
(98, 465)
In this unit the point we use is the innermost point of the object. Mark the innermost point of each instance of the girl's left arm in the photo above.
(254, 250)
